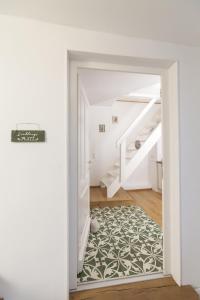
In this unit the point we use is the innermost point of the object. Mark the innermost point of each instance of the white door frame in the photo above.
(170, 128)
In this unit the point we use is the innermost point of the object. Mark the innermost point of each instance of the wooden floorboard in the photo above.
(149, 200)
(157, 289)
(98, 194)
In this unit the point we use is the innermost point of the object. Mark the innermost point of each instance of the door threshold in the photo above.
(118, 281)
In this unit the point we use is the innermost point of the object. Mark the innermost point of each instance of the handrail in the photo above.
(136, 121)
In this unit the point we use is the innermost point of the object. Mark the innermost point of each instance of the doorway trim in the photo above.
(171, 185)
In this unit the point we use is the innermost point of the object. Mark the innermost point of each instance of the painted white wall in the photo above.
(33, 206)
(104, 152)
(33, 193)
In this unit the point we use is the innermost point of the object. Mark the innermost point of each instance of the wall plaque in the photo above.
(27, 136)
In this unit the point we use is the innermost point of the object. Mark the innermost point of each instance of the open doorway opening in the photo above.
(120, 175)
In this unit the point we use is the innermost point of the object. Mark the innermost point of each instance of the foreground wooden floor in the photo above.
(158, 289)
(150, 201)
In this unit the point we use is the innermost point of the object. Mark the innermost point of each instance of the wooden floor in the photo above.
(158, 289)
(150, 201)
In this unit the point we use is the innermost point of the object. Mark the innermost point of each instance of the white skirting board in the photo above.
(136, 187)
(118, 281)
(83, 245)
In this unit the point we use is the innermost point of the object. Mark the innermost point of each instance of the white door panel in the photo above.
(83, 174)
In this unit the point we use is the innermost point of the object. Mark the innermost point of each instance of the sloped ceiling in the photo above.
(103, 87)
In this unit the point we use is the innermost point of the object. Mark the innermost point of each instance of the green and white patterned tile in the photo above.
(128, 243)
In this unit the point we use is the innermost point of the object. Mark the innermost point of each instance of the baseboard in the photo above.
(157, 190)
(136, 187)
(83, 245)
(118, 281)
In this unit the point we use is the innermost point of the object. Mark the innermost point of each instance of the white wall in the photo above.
(33, 205)
(104, 152)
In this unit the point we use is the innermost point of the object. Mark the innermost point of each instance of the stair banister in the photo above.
(141, 116)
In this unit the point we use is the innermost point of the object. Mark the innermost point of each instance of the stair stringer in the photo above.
(113, 187)
(135, 161)
(143, 151)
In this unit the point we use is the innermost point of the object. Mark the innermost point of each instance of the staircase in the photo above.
(134, 145)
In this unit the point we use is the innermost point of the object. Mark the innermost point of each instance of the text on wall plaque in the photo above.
(28, 136)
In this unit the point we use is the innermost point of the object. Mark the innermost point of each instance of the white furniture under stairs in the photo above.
(134, 145)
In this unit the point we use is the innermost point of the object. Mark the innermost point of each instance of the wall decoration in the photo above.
(25, 133)
(115, 119)
(27, 136)
(137, 144)
(102, 128)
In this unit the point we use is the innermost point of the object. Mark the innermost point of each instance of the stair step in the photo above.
(128, 159)
(152, 125)
(130, 155)
(131, 149)
(158, 120)
(146, 133)
(132, 145)
(147, 130)
(113, 173)
(143, 137)
(107, 180)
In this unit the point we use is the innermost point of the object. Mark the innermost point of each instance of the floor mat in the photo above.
(128, 243)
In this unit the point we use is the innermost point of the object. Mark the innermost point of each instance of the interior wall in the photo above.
(103, 150)
(33, 206)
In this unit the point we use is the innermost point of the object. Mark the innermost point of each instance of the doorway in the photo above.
(127, 240)
(82, 193)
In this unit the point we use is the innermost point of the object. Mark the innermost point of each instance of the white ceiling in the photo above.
(103, 87)
(175, 21)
